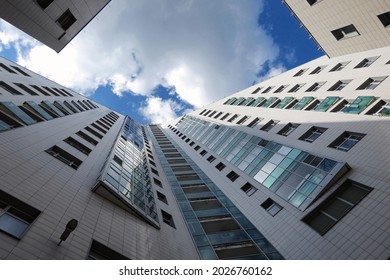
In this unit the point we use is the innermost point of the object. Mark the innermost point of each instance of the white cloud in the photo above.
(204, 49)
(159, 111)
(275, 70)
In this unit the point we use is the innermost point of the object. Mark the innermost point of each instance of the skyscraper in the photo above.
(294, 167)
(52, 22)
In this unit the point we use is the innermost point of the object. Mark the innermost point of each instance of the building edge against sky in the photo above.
(53, 22)
(294, 167)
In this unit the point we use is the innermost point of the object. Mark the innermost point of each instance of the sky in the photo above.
(157, 60)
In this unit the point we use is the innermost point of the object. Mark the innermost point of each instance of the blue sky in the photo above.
(155, 61)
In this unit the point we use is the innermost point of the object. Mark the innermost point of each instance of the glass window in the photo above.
(15, 111)
(345, 32)
(326, 103)
(312, 134)
(346, 141)
(358, 105)
(302, 103)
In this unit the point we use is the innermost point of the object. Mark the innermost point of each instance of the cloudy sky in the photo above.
(155, 60)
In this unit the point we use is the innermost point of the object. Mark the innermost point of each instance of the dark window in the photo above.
(232, 176)
(254, 122)
(15, 215)
(317, 70)
(197, 147)
(249, 189)
(335, 207)
(269, 125)
(154, 171)
(339, 66)
(40, 90)
(87, 138)
(210, 158)
(280, 89)
(312, 2)
(346, 141)
(256, 90)
(167, 218)
(290, 127)
(315, 86)
(10, 89)
(157, 182)
(243, 119)
(367, 62)
(21, 71)
(300, 72)
(345, 32)
(385, 19)
(26, 89)
(339, 85)
(202, 153)
(371, 83)
(90, 130)
(66, 20)
(268, 89)
(64, 156)
(77, 145)
(98, 251)
(296, 87)
(271, 206)
(312, 134)
(220, 166)
(5, 67)
(162, 197)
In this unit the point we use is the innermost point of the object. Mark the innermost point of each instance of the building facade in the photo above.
(303, 155)
(344, 27)
(53, 22)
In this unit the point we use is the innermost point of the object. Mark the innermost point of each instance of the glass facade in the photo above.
(125, 174)
(297, 176)
(219, 230)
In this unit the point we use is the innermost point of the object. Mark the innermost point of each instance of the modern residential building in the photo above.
(344, 27)
(304, 155)
(294, 167)
(53, 22)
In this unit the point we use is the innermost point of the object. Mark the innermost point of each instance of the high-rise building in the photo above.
(294, 167)
(344, 27)
(53, 22)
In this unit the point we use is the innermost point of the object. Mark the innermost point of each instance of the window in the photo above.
(235, 116)
(366, 62)
(15, 215)
(167, 218)
(197, 147)
(271, 206)
(220, 166)
(312, 134)
(225, 116)
(44, 3)
(385, 19)
(243, 119)
(5, 67)
(268, 89)
(300, 72)
(290, 127)
(77, 145)
(162, 197)
(66, 20)
(371, 83)
(157, 182)
(154, 171)
(317, 70)
(339, 85)
(210, 158)
(358, 105)
(346, 141)
(248, 189)
(382, 108)
(283, 103)
(312, 2)
(212, 114)
(26, 89)
(40, 90)
(64, 156)
(202, 153)
(335, 207)
(9, 89)
(280, 89)
(339, 66)
(98, 251)
(187, 177)
(218, 115)
(315, 86)
(256, 90)
(232, 176)
(254, 122)
(11, 111)
(296, 87)
(21, 71)
(269, 125)
(345, 32)
(92, 131)
(325, 104)
(303, 102)
(87, 138)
